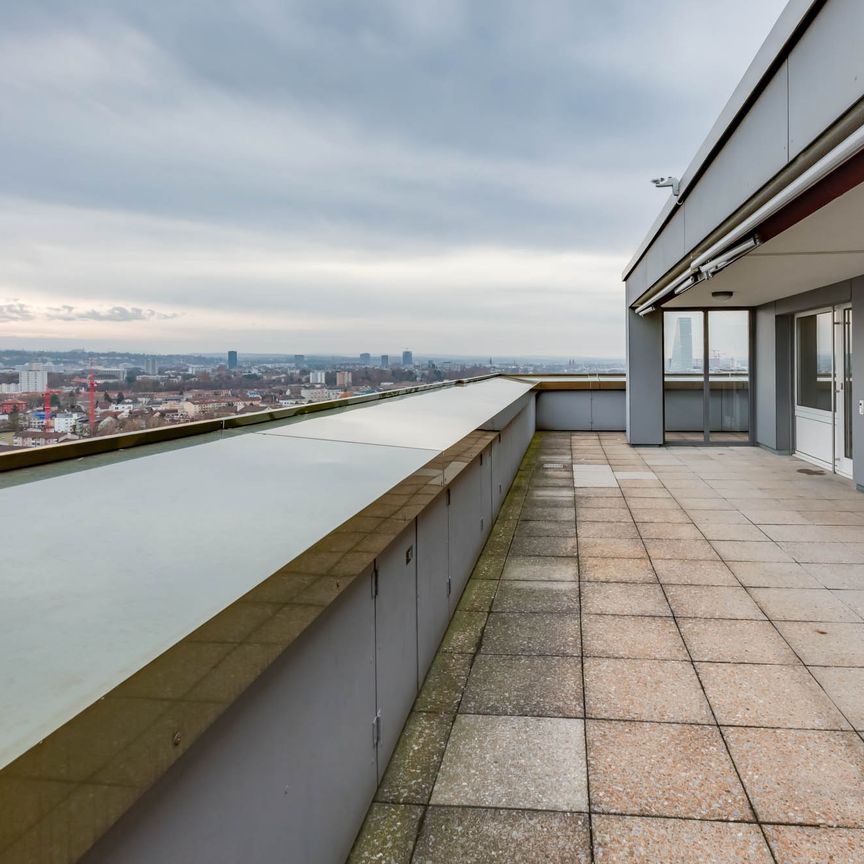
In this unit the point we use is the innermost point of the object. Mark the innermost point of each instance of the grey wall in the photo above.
(582, 410)
(288, 771)
(857, 295)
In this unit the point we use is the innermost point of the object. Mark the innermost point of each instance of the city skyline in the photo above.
(183, 194)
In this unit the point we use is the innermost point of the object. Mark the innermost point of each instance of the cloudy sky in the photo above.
(458, 176)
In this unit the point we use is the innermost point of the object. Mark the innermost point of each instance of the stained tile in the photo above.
(539, 686)
(801, 776)
(536, 596)
(479, 836)
(821, 644)
(478, 595)
(463, 634)
(662, 769)
(637, 840)
(660, 690)
(808, 845)
(387, 835)
(520, 762)
(701, 601)
(445, 681)
(612, 598)
(632, 636)
(756, 695)
(531, 633)
(731, 641)
(565, 546)
(547, 569)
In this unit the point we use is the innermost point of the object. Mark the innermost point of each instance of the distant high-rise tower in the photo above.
(232, 359)
(151, 365)
(365, 358)
(385, 361)
(343, 379)
(682, 346)
(407, 358)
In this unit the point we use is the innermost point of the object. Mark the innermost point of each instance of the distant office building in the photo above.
(151, 365)
(33, 381)
(343, 379)
(317, 376)
(407, 358)
(385, 361)
(682, 345)
(365, 358)
(232, 359)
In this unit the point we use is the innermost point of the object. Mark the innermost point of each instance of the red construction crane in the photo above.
(91, 383)
(49, 424)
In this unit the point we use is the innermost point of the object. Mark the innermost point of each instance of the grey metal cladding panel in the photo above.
(561, 410)
(285, 774)
(764, 377)
(433, 567)
(505, 417)
(396, 639)
(637, 282)
(756, 151)
(466, 531)
(608, 410)
(826, 71)
(667, 250)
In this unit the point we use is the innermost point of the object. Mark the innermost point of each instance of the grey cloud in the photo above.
(114, 314)
(15, 311)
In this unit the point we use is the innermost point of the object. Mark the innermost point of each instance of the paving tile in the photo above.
(808, 845)
(680, 550)
(801, 776)
(837, 575)
(671, 572)
(632, 636)
(772, 574)
(547, 514)
(608, 530)
(531, 633)
(756, 695)
(536, 596)
(387, 835)
(593, 547)
(669, 531)
(745, 550)
(478, 595)
(730, 641)
(520, 762)
(614, 598)
(845, 686)
(545, 529)
(821, 644)
(445, 681)
(604, 514)
(708, 601)
(825, 553)
(411, 773)
(662, 769)
(853, 599)
(488, 567)
(532, 686)
(660, 690)
(564, 546)
(463, 634)
(736, 531)
(646, 514)
(616, 570)
(479, 836)
(546, 569)
(802, 604)
(637, 840)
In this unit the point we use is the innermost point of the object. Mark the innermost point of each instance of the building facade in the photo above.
(746, 299)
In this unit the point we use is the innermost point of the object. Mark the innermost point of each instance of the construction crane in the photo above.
(49, 425)
(91, 384)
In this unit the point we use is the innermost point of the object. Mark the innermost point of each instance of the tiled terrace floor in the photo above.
(659, 658)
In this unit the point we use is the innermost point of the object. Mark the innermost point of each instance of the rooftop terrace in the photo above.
(658, 657)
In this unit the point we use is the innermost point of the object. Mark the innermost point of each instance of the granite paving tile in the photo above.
(680, 550)
(445, 681)
(802, 604)
(801, 776)
(536, 596)
(810, 845)
(563, 546)
(669, 531)
(616, 570)
(637, 840)
(663, 769)
(735, 641)
(708, 601)
(463, 634)
(387, 835)
(546, 569)
(748, 550)
(772, 574)
(631, 636)
(661, 690)
(608, 530)
(845, 687)
(519, 762)
(757, 695)
(614, 598)
(593, 547)
(825, 644)
(478, 595)
(531, 633)
(532, 686)
(846, 576)
(671, 572)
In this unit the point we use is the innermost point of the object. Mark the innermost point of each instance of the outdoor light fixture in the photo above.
(715, 265)
(663, 182)
(722, 296)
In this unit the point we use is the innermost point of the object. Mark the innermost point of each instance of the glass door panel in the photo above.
(843, 388)
(814, 387)
(729, 376)
(683, 376)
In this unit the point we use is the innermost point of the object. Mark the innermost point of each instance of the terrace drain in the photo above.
(814, 471)
(553, 465)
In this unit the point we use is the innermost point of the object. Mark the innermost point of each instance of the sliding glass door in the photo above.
(706, 362)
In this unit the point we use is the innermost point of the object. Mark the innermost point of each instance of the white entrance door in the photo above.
(823, 388)
(843, 389)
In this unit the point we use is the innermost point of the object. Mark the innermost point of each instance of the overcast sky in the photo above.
(458, 176)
